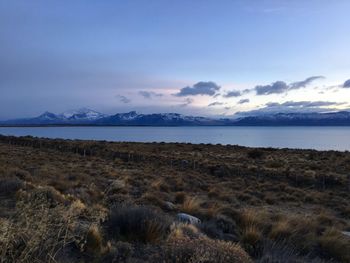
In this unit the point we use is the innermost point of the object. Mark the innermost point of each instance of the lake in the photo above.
(319, 138)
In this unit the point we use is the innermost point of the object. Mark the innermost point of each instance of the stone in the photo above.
(186, 218)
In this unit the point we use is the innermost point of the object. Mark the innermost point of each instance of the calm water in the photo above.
(320, 138)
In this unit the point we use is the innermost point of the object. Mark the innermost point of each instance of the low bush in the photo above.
(335, 245)
(255, 154)
(203, 250)
(10, 186)
(136, 223)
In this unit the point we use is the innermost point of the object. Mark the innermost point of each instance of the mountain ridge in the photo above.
(93, 118)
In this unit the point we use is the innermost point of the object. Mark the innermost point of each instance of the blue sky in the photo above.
(116, 56)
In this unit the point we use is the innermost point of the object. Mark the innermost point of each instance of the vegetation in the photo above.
(85, 201)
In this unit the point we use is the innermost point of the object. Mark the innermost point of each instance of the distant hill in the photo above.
(94, 118)
(341, 118)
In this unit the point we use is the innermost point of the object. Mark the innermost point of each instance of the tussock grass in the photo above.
(136, 224)
(118, 202)
(192, 205)
(335, 245)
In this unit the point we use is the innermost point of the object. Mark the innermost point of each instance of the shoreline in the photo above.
(227, 146)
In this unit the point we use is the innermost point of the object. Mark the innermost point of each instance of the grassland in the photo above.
(85, 201)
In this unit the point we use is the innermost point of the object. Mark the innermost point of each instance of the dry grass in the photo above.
(186, 244)
(335, 245)
(279, 205)
(192, 205)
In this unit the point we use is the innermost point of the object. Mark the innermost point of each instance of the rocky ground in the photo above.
(85, 201)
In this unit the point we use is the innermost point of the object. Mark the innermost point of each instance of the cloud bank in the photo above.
(216, 103)
(149, 94)
(279, 87)
(123, 99)
(243, 101)
(346, 84)
(292, 107)
(201, 88)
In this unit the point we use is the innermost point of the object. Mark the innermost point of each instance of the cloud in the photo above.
(201, 88)
(123, 99)
(236, 93)
(187, 102)
(275, 88)
(304, 83)
(216, 103)
(242, 101)
(346, 84)
(149, 94)
(233, 93)
(292, 107)
(279, 87)
(305, 104)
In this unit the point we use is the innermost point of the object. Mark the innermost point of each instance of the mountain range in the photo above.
(94, 118)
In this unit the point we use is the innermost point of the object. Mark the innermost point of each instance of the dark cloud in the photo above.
(149, 94)
(274, 88)
(242, 101)
(292, 107)
(186, 102)
(201, 88)
(346, 84)
(236, 93)
(123, 99)
(279, 87)
(305, 104)
(304, 83)
(216, 103)
(233, 93)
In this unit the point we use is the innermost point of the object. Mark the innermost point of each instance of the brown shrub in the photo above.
(94, 240)
(251, 240)
(37, 231)
(335, 245)
(10, 186)
(201, 250)
(135, 223)
(180, 197)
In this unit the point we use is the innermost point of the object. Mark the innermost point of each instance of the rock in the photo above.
(347, 234)
(185, 218)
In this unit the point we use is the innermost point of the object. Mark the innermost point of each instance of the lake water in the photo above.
(319, 138)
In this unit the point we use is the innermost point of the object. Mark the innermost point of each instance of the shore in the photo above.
(140, 202)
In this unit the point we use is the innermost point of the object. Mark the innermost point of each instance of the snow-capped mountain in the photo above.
(340, 118)
(81, 114)
(91, 117)
(160, 119)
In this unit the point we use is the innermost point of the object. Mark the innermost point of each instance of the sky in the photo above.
(198, 57)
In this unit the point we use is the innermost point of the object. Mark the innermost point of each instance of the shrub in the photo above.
(251, 240)
(36, 232)
(136, 223)
(180, 197)
(10, 186)
(255, 154)
(220, 227)
(93, 240)
(121, 252)
(281, 230)
(281, 252)
(335, 245)
(202, 250)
